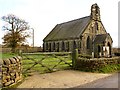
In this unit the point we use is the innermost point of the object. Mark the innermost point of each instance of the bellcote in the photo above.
(95, 12)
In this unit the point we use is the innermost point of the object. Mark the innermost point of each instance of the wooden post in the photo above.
(74, 57)
(20, 52)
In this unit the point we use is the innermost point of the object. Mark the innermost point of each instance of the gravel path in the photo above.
(61, 79)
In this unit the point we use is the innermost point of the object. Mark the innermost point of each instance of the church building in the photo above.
(87, 34)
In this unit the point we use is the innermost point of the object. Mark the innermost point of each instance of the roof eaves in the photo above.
(84, 27)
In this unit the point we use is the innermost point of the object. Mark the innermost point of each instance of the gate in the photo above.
(46, 62)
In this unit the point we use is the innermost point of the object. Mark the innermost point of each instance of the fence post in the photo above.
(74, 57)
(20, 52)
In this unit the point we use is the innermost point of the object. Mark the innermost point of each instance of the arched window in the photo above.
(49, 47)
(63, 46)
(74, 45)
(88, 42)
(53, 45)
(46, 46)
(67, 46)
(43, 47)
(99, 49)
(109, 48)
(57, 46)
(79, 44)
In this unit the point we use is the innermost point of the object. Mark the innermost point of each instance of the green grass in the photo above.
(110, 68)
(7, 55)
(49, 61)
(106, 69)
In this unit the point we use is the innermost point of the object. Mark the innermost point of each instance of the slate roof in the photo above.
(100, 38)
(68, 30)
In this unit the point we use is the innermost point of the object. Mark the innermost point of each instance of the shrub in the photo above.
(110, 68)
(117, 53)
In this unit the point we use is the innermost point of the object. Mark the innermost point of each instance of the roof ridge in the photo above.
(74, 20)
(68, 29)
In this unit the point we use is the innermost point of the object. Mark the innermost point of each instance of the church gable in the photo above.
(101, 29)
(94, 27)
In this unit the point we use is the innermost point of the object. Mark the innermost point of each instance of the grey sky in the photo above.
(43, 15)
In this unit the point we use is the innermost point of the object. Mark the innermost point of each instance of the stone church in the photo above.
(87, 34)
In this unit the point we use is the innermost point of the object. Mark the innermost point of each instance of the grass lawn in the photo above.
(7, 55)
(110, 68)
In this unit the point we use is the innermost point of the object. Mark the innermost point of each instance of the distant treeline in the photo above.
(116, 51)
(23, 49)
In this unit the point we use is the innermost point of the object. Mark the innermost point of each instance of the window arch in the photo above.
(46, 46)
(57, 46)
(63, 46)
(53, 45)
(67, 46)
(49, 47)
(99, 48)
(88, 42)
(74, 45)
(108, 44)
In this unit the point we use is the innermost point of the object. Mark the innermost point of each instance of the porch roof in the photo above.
(99, 39)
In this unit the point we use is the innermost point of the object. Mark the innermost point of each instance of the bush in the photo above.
(110, 68)
(117, 54)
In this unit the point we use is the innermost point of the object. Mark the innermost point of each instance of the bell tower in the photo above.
(95, 12)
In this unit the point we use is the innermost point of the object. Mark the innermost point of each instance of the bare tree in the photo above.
(16, 31)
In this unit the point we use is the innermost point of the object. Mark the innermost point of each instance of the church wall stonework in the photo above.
(85, 43)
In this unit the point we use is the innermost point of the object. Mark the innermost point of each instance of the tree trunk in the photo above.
(13, 50)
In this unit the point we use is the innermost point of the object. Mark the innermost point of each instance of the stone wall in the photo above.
(24, 49)
(62, 45)
(11, 71)
(95, 63)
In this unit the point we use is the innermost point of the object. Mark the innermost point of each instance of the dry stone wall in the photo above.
(11, 71)
(95, 63)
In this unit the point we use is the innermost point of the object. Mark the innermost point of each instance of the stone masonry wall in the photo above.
(11, 71)
(95, 63)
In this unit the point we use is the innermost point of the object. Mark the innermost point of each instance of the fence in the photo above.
(45, 62)
(11, 71)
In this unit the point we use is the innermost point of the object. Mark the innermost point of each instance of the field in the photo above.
(7, 55)
(42, 63)
(45, 63)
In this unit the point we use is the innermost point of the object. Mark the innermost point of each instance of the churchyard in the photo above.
(57, 61)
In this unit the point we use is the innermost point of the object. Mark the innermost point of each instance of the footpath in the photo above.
(61, 79)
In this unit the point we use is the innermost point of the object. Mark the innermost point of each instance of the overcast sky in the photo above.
(43, 15)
